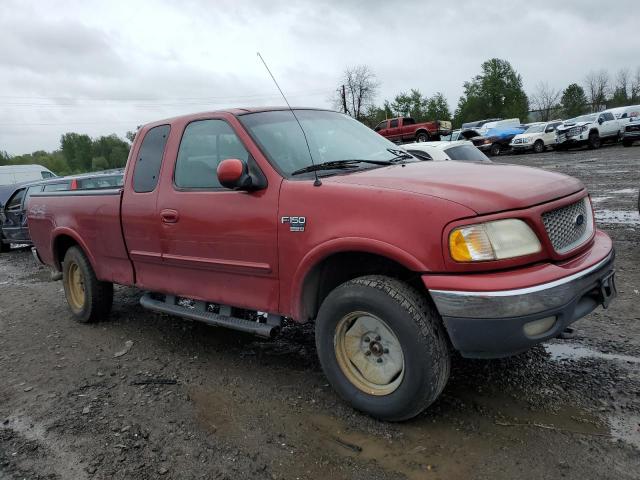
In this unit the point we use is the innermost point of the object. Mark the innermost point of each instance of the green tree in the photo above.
(412, 104)
(77, 149)
(574, 101)
(438, 108)
(496, 92)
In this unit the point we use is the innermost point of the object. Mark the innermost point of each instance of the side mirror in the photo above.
(600, 120)
(234, 174)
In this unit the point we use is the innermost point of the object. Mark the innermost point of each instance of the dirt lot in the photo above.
(190, 401)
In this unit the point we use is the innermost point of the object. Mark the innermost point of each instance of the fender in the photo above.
(57, 232)
(347, 244)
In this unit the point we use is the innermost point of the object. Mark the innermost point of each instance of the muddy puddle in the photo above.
(448, 442)
(626, 217)
(567, 351)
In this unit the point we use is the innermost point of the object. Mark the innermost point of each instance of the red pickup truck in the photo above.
(230, 218)
(405, 129)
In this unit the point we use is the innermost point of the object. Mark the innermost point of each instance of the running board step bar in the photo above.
(199, 313)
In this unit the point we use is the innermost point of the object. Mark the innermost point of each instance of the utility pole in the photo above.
(344, 100)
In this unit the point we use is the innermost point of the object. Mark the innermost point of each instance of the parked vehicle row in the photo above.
(14, 227)
(483, 258)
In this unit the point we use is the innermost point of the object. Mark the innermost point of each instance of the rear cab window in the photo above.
(149, 159)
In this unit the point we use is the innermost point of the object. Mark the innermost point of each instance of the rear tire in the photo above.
(4, 247)
(422, 137)
(408, 363)
(538, 146)
(88, 298)
(594, 141)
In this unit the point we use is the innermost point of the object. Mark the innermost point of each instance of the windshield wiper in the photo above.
(399, 154)
(338, 165)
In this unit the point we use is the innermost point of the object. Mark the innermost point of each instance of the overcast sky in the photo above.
(105, 67)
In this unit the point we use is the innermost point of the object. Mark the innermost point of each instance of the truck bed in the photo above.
(96, 213)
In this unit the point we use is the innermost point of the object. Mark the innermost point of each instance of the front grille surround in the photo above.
(563, 227)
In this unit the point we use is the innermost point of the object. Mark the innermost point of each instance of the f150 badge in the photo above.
(296, 224)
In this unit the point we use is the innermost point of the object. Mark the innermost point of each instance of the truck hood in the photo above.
(567, 125)
(528, 135)
(482, 187)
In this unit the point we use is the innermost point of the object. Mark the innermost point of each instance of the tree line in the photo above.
(78, 153)
(496, 92)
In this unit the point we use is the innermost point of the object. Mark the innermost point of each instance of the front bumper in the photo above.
(491, 324)
(635, 135)
(521, 147)
(485, 147)
(564, 139)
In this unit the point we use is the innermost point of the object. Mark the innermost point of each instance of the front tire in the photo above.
(495, 149)
(538, 146)
(594, 141)
(88, 298)
(383, 347)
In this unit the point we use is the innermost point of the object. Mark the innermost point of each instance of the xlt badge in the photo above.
(296, 224)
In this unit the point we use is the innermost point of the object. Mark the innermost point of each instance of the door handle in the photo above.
(169, 216)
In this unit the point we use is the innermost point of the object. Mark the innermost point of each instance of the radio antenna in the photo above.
(317, 182)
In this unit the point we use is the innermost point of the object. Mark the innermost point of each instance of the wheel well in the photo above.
(594, 130)
(342, 267)
(61, 244)
(422, 130)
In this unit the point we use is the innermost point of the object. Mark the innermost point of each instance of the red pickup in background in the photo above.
(405, 129)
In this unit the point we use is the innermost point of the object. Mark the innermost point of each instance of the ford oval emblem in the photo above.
(579, 220)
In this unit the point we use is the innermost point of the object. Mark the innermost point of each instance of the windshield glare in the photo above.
(535, 129)
(583, 118)
(467, 153)
(332, 136)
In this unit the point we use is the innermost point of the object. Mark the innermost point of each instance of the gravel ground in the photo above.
(189, 401)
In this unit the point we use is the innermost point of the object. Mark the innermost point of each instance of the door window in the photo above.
(394, 123)
(381, 126)
(149, 160)
(204, 145)
(408, 121)
(608, 116)
(31, 191)
(15, 203)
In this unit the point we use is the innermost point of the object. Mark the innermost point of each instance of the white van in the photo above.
(10, 174)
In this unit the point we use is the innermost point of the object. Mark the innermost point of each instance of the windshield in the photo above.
(583, 118)
(535, 129)
(332, 137)
(467, 153)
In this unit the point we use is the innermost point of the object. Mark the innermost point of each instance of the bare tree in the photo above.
(623, 77)
(360, 90)
(635, 86)
(597, 84)
(545, 99)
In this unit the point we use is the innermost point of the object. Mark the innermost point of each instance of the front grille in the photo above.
(570, 226)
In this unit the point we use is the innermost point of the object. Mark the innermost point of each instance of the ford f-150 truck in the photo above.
(405, 129)
(243, 218)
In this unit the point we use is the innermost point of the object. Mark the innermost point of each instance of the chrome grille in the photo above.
(570, 226)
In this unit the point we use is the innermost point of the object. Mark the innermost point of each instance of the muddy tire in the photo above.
(538, 146)
(4, 247)
(594, 141)
(88, 298)
(383, 347)
(422, 137)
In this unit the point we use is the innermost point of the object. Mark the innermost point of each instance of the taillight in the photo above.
(74, 184)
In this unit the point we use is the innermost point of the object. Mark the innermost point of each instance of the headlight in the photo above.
(526, 139)
(584, 128)
(493, 241)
